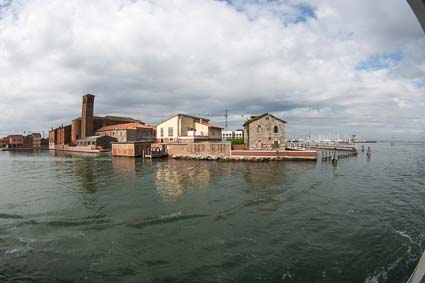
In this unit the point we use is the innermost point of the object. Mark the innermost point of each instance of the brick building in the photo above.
(32, 140)
(60, 136)
(3, 142)
(265, 132)
(84, 126)
(129, 132)
(15, 141)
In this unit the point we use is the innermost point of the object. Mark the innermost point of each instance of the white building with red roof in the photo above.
(187, 128)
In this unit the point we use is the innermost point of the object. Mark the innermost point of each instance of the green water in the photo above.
(85, 219)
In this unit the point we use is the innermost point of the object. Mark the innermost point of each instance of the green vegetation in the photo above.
(235, 141)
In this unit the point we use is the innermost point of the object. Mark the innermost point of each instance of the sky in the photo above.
(325, 66)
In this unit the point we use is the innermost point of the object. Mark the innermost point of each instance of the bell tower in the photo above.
(87, 116)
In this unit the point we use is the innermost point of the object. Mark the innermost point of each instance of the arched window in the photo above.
(276, 129)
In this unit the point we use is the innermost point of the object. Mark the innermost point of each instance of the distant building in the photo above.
(36, 140)
(44, 142)
(226, 135)
(265, 132)
(84, 126)
(187, 128)
(3, 142)
(128, 132)
(60, 136)
(87, 124)
(15, 141)
(32, 140)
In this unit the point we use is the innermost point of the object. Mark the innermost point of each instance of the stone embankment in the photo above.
(233, 158)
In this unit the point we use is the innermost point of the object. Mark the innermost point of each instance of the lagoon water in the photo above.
(104, 219)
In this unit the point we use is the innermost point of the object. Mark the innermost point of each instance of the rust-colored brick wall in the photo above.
(238, 147)
(129, 149)
(212, 149)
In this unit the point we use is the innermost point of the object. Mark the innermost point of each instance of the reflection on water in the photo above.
(177, 177)
(57, 153)
(124, 165)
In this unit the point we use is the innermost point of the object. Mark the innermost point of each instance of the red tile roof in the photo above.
(212, 126)
(126, 126)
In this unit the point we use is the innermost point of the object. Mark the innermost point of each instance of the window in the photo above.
(170, 131)
(276, 144)
(259, 129)
(162, 132)
(276, 129)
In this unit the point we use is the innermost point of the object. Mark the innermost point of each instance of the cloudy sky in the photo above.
(325, 66)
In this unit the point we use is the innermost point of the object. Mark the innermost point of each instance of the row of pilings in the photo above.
(334, 154)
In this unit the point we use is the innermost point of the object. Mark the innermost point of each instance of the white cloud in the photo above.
(151, 59)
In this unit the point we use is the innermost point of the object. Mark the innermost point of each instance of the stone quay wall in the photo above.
(215, 150)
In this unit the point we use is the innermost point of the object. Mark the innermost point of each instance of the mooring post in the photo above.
(369, 152)
(362, 147)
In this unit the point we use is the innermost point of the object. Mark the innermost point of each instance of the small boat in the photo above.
(160, 154)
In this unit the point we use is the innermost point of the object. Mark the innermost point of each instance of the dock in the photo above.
(333, 155)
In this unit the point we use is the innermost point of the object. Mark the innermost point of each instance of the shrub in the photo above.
(235, 141)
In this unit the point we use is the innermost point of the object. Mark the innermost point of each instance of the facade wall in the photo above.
(141, 134)
(28, 140)
(75, 131)
(36, 140)
(87, 116)
(225, 135)
(186, 124)
(238, 135)
(260, 134)
(201, 149)
(130, 149)
(201, 129)
(60, 136)
(232, 135)
(162, 130)
(15, 140)
(3, 142)
(105, 142)
(120, 135)
(214, 134)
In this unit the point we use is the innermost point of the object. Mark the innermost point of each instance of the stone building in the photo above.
(129, 132)
(265, 132)
(187, 128)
